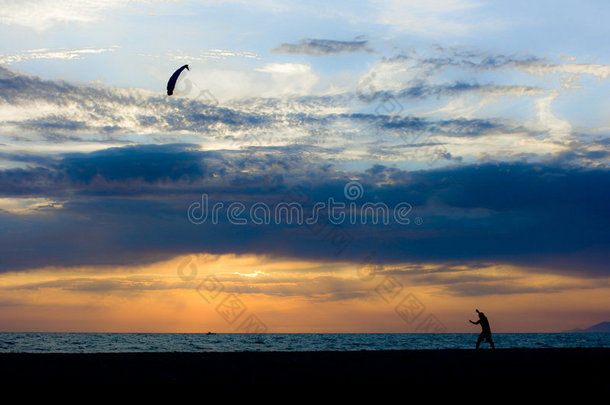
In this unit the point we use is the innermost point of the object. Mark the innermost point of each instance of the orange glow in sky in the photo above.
(228, 293)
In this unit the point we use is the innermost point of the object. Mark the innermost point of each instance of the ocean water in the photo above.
(235, 342)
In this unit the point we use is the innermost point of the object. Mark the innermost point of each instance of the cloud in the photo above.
(321, 47)
(549, 215)
(433, 18)
(310, 284)
(422, 90)
(361, 124)
(571, 72)
(106, 284)
(476, 289)
(118, 169)
(422, 70)
(477, 59)
(214, 54)
(291, 78)
(526, 284)
(556, 128)
(56, 53)
(64, 106)
(472, 279)
(66, 113)
(44, 14)
(27, 205)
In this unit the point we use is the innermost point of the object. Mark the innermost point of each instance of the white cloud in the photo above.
(286, 68)
(272, 6)
(430, 17)
(55, 53)
(269, 80)
(291, 78)
(557, 128)
(43, 14)
(570, 72)
(215, 54)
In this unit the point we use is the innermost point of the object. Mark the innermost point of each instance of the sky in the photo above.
(362, 166)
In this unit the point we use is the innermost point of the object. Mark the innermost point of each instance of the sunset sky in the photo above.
(465, 144)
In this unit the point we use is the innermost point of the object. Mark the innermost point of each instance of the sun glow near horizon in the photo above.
(287, 296)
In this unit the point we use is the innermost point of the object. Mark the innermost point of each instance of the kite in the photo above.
(172, 80)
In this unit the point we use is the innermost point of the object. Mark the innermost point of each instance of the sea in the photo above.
(13, 342)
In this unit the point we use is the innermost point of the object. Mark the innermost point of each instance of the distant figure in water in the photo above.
(486, 332)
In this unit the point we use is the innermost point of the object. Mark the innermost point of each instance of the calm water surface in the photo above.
(235, 342)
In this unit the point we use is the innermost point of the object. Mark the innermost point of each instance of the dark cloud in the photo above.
(151, 163)
(320, 47)
(18, 88)
(403, 125)
(124, 206)
(125, 170)
(421, 89)
(453, 127)
(479, 59)
(52, 123)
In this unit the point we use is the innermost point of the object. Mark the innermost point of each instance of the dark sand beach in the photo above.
(570, 369)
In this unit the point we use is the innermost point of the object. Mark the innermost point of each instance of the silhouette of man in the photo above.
(486, 332)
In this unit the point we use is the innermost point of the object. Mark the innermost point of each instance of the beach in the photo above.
(575, 369)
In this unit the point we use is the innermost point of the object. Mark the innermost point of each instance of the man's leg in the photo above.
(479, 340)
